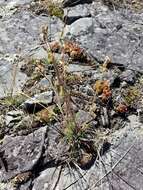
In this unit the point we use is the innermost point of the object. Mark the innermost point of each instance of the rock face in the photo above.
(116, 34)
(103, 31)
(71, 15)
(19, 36)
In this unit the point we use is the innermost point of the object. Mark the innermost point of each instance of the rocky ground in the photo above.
(101, 43)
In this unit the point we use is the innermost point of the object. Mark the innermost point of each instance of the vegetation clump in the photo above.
(53, 8)
(101, 100)
(13, 101)
(133, 94)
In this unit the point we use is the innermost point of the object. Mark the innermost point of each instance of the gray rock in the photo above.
(87, 73)
(38, 53)
(97, 76)
(26, 186)
(45, 82)
(14, 3)
(18, 123)
(19, 34)
(56, 148)
(75, 13)
(47, 180)
(81, 27)
(11, 79)
(22, 31)
(12, 117)
(87, 90)
(140, 114)
(15, 113)
(24, 126)
(78, 68)
(79, 10)
(22, 153)
(128, 76)
(83, 117)
(8, 120)
(117, 34)
(2, 120)
(38, 101)
(42, 85)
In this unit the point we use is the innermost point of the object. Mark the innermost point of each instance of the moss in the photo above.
(53, 9)
(72, 79)
(132, 95)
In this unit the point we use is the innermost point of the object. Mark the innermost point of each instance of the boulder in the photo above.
(21, 153)
(38, 102)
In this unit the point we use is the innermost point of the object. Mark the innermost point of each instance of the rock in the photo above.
(22, 153)
(19, 34)
(87, 73)
(128, 76)
(56, 149)
(140, 114)
(13, 117)
(2, 120)
(101, 31)
(15, 113)
(80, 27)
(26, 125)
(87, 90)
(11, 79)
(2, 126)
(75, 13)
(26, 186)
(124, 84)
(8, 120)
(106, 38)
(42, 85)
(17, 3)
(38, 102)
(83, 117)
(22, 31)
(78, 68)
(38, 53)
(45, 181)
(70, 3)
(45, 82)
